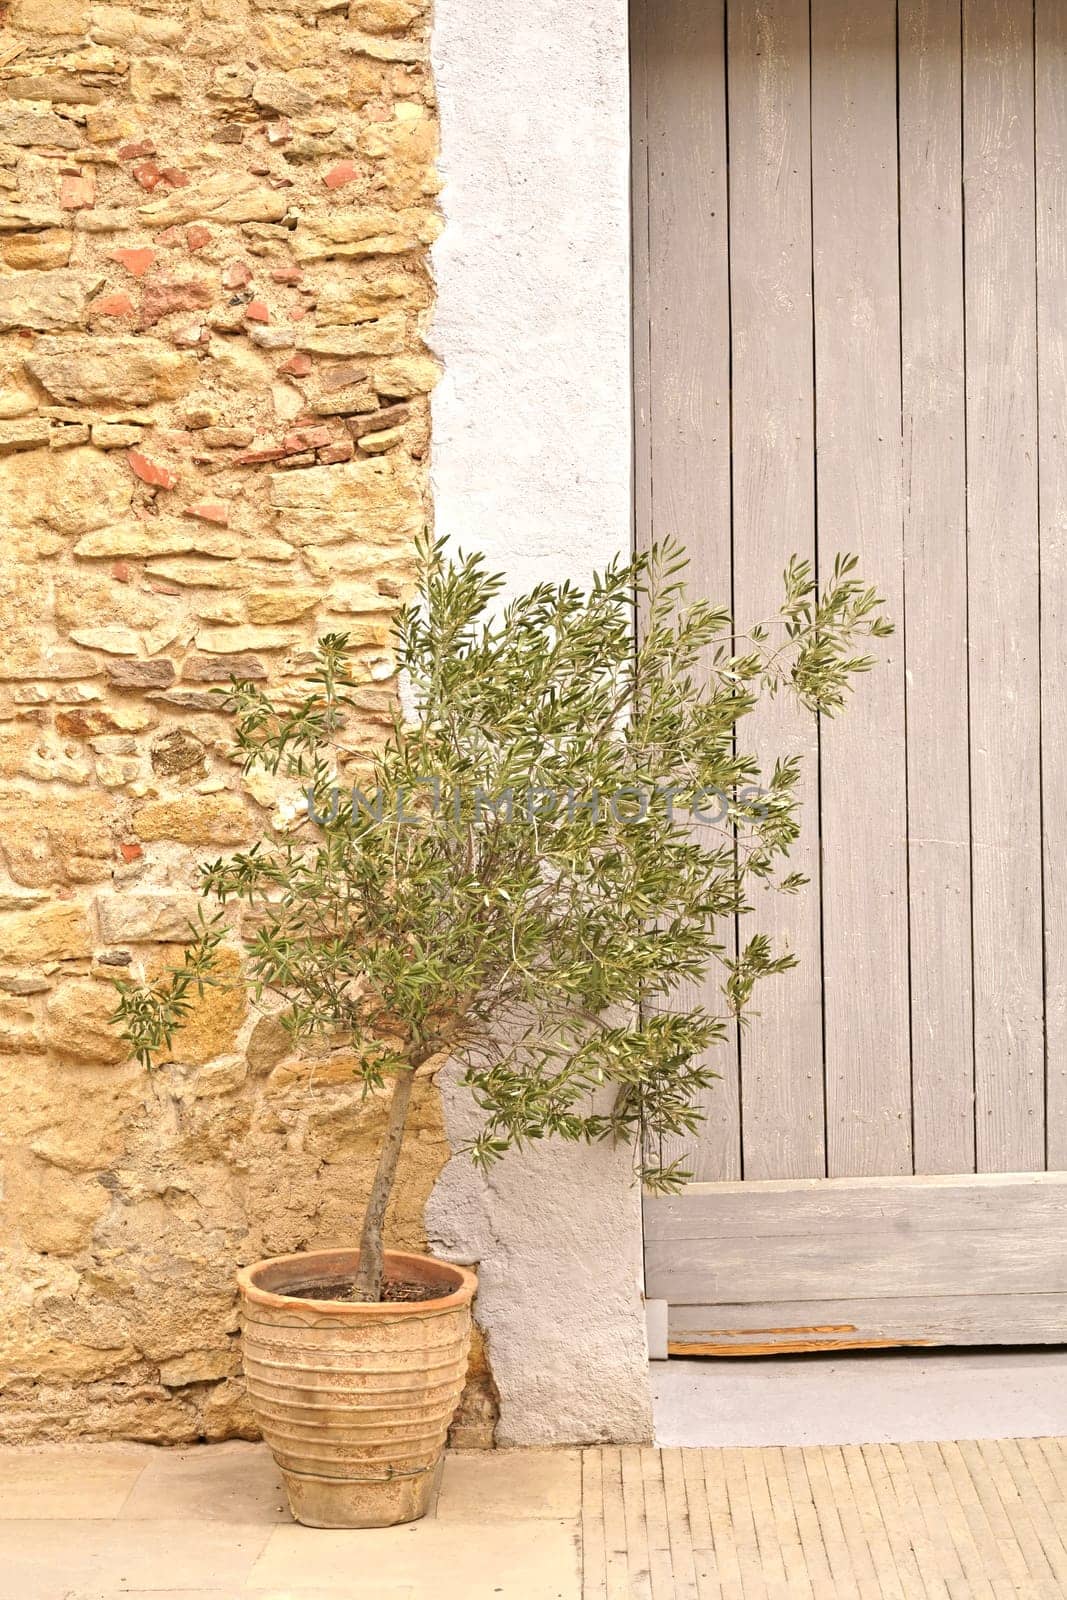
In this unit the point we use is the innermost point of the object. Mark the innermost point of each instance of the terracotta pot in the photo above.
(355, 1400)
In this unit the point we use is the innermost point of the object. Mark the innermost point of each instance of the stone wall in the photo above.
(214, 217)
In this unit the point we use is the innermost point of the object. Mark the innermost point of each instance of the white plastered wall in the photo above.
(532, 466)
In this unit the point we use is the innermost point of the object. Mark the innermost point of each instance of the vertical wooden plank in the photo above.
(857, 377)
(1051, 154)
(998, 104)
(639, 207)
(783, 1110)
(933, 373)
(689, 381)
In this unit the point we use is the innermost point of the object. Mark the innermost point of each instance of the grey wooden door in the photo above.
(850, 246)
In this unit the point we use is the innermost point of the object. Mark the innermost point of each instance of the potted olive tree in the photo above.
(552, 837)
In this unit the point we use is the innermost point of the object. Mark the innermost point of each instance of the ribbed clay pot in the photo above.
(355, 1400)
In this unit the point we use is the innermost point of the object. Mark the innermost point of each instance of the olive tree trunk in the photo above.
(368, 1284)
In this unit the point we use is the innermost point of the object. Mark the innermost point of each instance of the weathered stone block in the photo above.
(101, 371)
(133, 30)
(178, 754)
(20, 217)
(88, 595)
(67, 840)
(278, 91)
(378, 443)
(28, 433)
(114, 641)
(69, 1137)
(56, 932)
(384, 16)
(115, 436)
(351, 234)
(239, 640)
(405, 152)
(215, 1019)
(50, 16)
(22, 125)
(405, 376)
(360, 298)
(77, 1024)
(224, 197)
(220, 669)
(62, 88)
(22, 660)
(28, 252)
(53, 1210)
(378, 338)
(357, 399)
(156, 78)
(148, 916)
(369, 502)
(199, 572)
(159, 537)
(156, 674)
(378, 421)
(74, 492)
(267, 606)
(199, 1366)
(269, 1043)
(195, 820)
(380, 48)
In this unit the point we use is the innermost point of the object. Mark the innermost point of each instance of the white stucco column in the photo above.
(532, 466)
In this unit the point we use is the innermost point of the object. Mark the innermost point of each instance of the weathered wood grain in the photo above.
(998, 142)
(869, 1265)
(783, 1112)
(857, 382)
(640, 199)
(975, 1202)
(783, 1326)
(821, 1264)
(933, 375)
(687, 295)
(1051, 158)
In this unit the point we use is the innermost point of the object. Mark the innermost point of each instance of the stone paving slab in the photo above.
(209, 1483)
(54, 1482)
(59, 1560)
(511, 1485)
(955, 1520)
(474, 1560)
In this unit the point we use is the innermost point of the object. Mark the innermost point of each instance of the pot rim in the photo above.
(462, 1295)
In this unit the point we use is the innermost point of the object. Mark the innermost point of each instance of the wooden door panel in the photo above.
(782, 1109)
(851, 333)
(933, 376)
(683, 413)
(1051, 175)
(832, 1262)
(858, 443)
(1004, 612)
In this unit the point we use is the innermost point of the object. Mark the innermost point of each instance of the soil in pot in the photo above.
(395, 1291)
